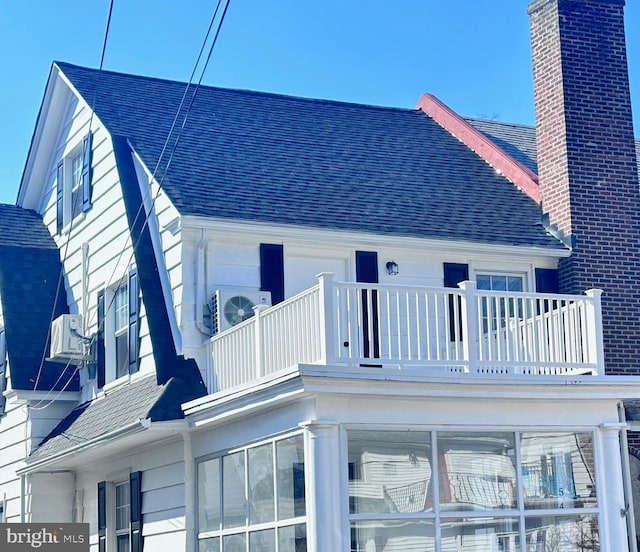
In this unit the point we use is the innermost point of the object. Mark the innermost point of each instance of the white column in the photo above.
(324, 487)
(327, 319)
(613, 532)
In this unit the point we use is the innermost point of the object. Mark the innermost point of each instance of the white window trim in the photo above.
(67, 189)
(525, 270)
(111, 378)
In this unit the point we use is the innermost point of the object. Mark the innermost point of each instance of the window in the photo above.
(120, 515)
(73, 184)
(254, 497)
(497, 310)
(122, 524)
(117, 347)
(478, 492)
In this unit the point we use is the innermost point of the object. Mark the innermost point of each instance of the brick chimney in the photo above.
(586, 160)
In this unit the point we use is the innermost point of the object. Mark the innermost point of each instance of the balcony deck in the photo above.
(441, 330)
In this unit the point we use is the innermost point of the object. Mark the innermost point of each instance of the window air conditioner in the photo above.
(66, 340)
(229, 307)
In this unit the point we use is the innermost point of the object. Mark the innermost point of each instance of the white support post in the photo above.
(610, 490)
(594, 323)
(327, 318)
(259, 350)
(469, 314)
(322, 475)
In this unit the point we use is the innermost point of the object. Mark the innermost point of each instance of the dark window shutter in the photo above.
(272, 271)
(100, 360)
(60, 197)
(135, 488)
(454, 273)
(86, 172)
(134, 325)
(547, 280)
(367, 272)
(102, 516)
(367, 267)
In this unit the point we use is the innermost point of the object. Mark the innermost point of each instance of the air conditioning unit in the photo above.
(229, 307)
(66, 340)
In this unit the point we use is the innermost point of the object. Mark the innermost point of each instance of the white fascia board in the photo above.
(25, 396)
(312, 380)
(409, 383)
(33, 177)
(360, 239)
(130, 429)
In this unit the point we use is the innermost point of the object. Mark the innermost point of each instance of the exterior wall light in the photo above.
(392, 268)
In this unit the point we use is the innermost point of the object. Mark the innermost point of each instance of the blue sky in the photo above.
(474, 55)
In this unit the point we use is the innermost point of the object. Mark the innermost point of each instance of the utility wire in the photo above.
(164, 172)
(66, 247)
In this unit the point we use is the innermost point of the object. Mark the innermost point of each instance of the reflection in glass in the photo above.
(480, 534)
(209, 495)
(564, 534)
(477, 471)
(292, 538)
(393, 536)
(389, 471)
(261, 497)
(209, 545)
(558, 470)
(235, 543)
(233, 494)
(290, 477)
(262, 541)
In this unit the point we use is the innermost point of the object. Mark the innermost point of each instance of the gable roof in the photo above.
(275, 159)
(29, 277)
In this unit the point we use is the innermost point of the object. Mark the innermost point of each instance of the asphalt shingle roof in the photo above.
(29, 276)
(263, 157)
(121, 407)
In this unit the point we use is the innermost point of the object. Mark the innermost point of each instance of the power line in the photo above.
(66, 248)
(165, 171)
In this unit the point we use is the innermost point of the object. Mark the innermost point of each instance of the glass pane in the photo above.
(122, 543)
(261, 496)
(121, 308)
(290, 477)
(262, 541)
(209, 495)
(558, 470)
(477, 471)
(480, 535)
(235, 543)
(565, 534)
(389, 471)
(393, 536)
(122, 506)
(209, 545)
(514, 283)
(292, 538)
(233, 494)
(483, 281)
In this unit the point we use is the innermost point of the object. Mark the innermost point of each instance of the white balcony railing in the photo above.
(450, 330)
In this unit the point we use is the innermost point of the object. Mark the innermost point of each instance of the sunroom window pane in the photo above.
(563, 533)
(209, 495)
(393, 536)
(292, 538)
(481, 535)
(261, 496)
(209, 545)
(235, 543)
(477, 471)
(389, 471)
(558, 470)
(233, 493)
(262, 541)
(290, 477)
